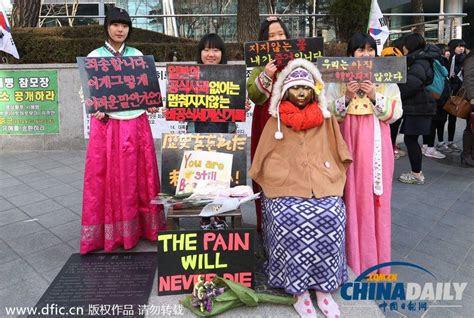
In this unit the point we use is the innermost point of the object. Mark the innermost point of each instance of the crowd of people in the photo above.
(322, 153)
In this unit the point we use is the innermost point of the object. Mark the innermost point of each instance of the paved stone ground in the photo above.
(40, 211)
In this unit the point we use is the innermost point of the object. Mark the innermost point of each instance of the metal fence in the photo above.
(195, 26)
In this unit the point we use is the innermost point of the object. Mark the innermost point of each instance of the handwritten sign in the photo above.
(174, 145)
(213, 93)
(376, 69)
(283, 51)
(120, 83)
(184, 255)
(204, 168)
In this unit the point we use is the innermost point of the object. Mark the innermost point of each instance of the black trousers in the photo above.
(414, 152)
(394, 127)
(437, 127)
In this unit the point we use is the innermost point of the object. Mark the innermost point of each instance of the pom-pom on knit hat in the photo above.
(299, 72)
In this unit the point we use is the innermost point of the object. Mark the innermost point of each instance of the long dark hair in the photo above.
(212, 41)
(265, 26)
(359, 41)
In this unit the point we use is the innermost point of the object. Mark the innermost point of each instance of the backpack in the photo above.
(436, 88)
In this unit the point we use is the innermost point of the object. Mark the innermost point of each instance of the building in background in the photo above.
(437, 28)
(56, 13)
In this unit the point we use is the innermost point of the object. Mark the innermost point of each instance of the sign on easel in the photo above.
(173, 147)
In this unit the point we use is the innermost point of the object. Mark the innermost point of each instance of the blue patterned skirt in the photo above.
(305, 240)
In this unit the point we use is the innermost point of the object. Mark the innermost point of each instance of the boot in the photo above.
(467, 148)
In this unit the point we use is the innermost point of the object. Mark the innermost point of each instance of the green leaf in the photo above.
(283, 300)
(246, 295)
(228, 295)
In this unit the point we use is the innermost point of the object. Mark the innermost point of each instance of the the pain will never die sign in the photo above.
(185, 255)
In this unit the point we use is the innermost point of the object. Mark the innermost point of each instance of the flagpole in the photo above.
(370, 13)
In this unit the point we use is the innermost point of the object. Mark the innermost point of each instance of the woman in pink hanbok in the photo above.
(121, 171)
(365, 111)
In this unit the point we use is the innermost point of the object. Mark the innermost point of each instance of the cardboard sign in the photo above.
(184, 255)
(375, 69)
(283, 51)
(174, 145)
(214, 93)
(119, 83)
(205, 168)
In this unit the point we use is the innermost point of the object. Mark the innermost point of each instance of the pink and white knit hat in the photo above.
(297, 72)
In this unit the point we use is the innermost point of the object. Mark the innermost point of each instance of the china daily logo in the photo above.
(385, 287)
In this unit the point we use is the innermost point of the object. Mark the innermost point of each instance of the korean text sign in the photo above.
(119, 83)
(213, 93)
(29, 102)
(174, 145)
(204, 168)
(184, 255)
(283, 51)
(376, 69)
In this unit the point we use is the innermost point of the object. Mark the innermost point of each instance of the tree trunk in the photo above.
(247, 20)
(25, 13)
(417, 7)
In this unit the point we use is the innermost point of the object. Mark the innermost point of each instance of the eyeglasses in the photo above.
(272, 18)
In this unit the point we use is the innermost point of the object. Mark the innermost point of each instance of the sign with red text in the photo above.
(387, 69)
(120, 83)
(283, 51)
(184, 255)
(213, 93)
(173, 147)
(204, 168)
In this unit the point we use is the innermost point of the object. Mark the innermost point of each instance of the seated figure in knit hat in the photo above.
(300, 163)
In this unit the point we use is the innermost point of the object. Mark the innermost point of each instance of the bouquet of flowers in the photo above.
(213, 298)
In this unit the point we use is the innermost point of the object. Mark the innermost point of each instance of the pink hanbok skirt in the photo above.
(120, 179)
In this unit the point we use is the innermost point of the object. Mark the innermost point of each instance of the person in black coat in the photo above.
(456, 60)
(418, 104)
(438, 121)
(467, 155)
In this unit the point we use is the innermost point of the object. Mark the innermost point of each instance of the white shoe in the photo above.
(423, 149)
(433, 153)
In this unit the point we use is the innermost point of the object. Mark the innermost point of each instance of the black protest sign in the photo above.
(120, 83)
(375, 69)
(185, 255)
(283, 51)
(212, 93)
(174, 145)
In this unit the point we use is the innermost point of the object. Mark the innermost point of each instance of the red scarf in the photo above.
(301, 119)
